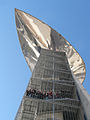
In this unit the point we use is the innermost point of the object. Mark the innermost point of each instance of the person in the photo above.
(27, 92)
(34, 93)
(44, 95)
(57, 95)
(41, 95)
(50, 95)
(47, 95)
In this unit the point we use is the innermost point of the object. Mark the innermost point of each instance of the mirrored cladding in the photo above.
(34, 35)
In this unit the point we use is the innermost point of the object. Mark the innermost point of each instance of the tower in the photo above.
(54, 90)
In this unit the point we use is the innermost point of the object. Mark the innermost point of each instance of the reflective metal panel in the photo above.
(34, 35)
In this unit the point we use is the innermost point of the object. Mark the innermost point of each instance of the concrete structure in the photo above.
(55, 90)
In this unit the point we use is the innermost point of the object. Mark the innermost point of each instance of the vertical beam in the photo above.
(53, 85)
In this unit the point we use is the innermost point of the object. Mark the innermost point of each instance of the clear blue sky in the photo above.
(71, 18)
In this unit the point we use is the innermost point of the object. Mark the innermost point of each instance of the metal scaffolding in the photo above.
(51, 74)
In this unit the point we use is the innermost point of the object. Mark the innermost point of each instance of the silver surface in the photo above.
(34, 34)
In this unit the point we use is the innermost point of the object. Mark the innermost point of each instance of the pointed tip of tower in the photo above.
(16, 10)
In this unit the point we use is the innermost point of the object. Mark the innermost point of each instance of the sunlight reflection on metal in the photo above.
(34, 34)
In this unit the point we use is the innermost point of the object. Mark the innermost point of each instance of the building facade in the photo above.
(54, 90)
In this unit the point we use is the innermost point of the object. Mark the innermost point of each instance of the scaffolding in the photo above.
(51, 74)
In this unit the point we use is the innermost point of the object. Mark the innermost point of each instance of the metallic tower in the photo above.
(55, 90)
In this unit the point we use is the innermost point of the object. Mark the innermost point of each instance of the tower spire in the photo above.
(52, 92)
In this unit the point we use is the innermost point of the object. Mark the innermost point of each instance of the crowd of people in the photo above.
(42, 95)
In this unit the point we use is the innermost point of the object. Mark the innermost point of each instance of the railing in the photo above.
(48, 95)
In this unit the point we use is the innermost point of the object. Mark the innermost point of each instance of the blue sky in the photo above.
(71, 18)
